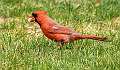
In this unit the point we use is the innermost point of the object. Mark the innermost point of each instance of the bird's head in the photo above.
(36, 14)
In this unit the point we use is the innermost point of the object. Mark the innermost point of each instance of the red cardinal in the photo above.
(56, 32)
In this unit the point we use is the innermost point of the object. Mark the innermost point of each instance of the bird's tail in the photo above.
(93, 37)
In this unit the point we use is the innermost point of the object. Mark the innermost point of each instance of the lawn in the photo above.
(24, 47)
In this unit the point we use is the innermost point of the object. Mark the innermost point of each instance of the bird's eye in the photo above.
(34, 15)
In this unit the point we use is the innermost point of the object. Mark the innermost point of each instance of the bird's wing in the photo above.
(60, 30)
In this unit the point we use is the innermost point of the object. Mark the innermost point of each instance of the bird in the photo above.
(56, 32)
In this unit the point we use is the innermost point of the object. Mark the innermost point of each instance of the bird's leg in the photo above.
(60, 44)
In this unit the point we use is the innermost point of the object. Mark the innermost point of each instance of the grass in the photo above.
(24, 47)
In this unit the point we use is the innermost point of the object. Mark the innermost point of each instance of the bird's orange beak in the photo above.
(31, 19)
